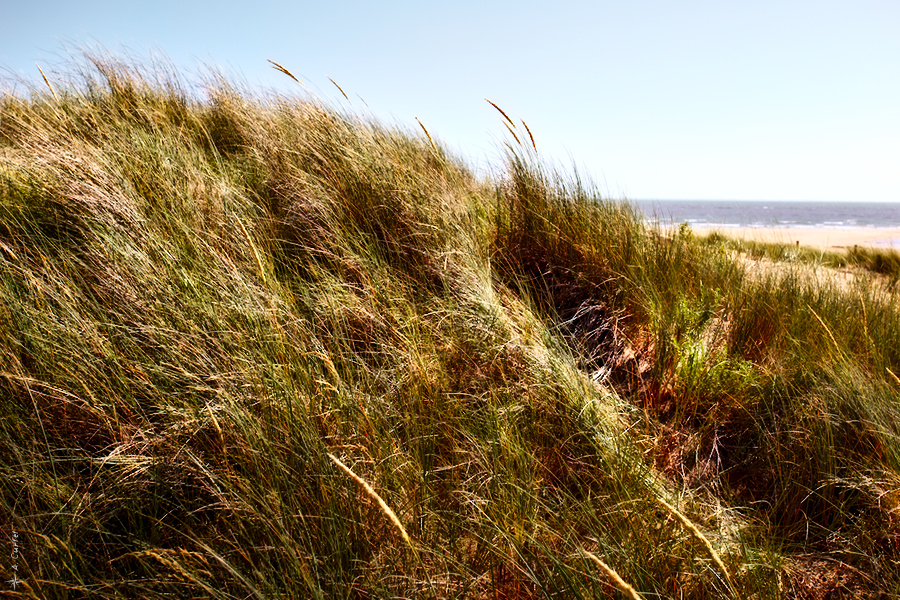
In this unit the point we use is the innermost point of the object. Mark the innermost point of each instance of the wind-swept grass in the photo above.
(882, 261)
(205, 300)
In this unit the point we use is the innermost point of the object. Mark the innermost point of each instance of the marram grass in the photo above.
(206, 295)
(390, 514)
(623, 586)
(707, 545)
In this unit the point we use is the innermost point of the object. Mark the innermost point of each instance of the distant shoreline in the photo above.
(737, 215)
(824, 238)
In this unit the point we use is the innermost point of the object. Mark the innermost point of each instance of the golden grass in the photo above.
(510, 129)
(340, 89)
(825, 327)
(531, 137)
(390, 514)
(167, 261)
(695, 531)
(500, 110)
(47, 81)
(278, 67)
(259, 264)
(893, 375)
(623, 586)
(428, 135)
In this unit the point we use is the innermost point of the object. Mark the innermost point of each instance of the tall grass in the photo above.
(205, 300)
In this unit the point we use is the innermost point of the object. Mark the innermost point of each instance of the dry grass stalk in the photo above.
(531, 137)
(624, 586)
(259, 264)
(695, 531)
(894, 375)
(215, 423)
(426, 133)
(391, 515)
(278, 67)
(518, 141)
(47, 81)
(340, 89)
(500, 110)
(824, 326)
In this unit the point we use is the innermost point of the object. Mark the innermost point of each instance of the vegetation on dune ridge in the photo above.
(883, 261)
(262, 348)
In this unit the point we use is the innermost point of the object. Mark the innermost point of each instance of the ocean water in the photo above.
(754, 213)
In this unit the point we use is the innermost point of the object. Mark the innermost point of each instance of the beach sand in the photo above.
(824, 238)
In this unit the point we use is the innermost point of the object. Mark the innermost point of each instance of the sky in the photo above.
(646, 99)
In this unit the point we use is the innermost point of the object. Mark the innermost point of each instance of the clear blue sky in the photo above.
(771, 99)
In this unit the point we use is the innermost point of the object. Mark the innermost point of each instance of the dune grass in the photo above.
(882, 261)
(257, 347)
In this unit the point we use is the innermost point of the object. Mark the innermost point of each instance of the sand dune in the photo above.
(826, 238)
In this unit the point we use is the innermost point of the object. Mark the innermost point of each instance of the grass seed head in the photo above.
(623, 585)
(390, 514)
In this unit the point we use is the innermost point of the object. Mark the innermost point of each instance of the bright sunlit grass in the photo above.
(205, 302)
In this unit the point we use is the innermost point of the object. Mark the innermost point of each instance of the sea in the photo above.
(757, 213)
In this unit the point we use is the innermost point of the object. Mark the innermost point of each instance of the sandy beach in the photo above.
(825, 238)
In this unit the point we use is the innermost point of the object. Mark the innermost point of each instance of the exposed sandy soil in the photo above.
(825, 238)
